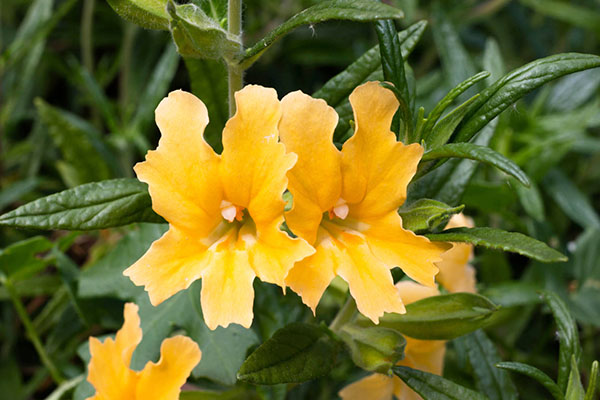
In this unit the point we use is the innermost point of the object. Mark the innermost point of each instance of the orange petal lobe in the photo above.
(254, 163)
(172, 263)
(182, 173)
(306, 129)
(376, 168)
(372, 387)
(395, 246)
(163, 380)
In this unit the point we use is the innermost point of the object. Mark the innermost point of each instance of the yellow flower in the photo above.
(360, 237)
(224, 211)
(456, 274)
(424, 355)
(109, 372)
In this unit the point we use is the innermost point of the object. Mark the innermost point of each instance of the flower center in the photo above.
(230, 211)
(340, 210)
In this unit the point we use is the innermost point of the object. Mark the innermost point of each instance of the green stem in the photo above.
(344, 315)
(87, 19)
(234, 26)
(31, 333)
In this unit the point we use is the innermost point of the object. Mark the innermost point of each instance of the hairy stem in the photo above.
(234, 26)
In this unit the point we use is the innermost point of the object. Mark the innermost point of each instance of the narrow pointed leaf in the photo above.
(493, 238)
(575, 389)
(518, 83)
(536, 374)
(442, 131)
(434, 387)
(296, 353)
(479, 153)
(483, 357)
(591, 390)
(443, 104)
(97, 205)
(568, 336)
(350, 10)
(441, 317)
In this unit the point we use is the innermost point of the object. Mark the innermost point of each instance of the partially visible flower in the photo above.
(424, 355)
(456, 274)
(224, 211)
(109, 372)
(345, 203)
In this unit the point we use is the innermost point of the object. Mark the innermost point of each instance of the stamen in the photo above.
(340, 209)
(229, 211)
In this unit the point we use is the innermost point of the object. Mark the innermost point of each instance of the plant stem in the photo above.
(31, 333)
(344, 315)
(234, 26)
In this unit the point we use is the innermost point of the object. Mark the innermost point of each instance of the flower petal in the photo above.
(108, 370)
(370, 280)
(456, 274)
(376, 168)
(227, 294)
(172, 263)
(311, 276)
(182, 173)
(306, 129)
(372, 387)
(163, 380)
(272, 253)
(395, 246)
(254, 164)
(411, 291)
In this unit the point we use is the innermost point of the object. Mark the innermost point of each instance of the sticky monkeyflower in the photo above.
(424, 355)
(456, 274)
(224, 211)
(345, 202)
(109, 372)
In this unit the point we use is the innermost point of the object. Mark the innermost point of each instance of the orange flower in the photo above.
(109, 372)
(456, 274)
(360, 188)
(224, 211)
(424, 355)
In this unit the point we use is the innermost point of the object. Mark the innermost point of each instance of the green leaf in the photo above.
(531, 200)
(149, 14)
(568, 337)
(483, 357)
(534, 373)
(199, 36)
(295, 353)
(570, 199)
(373, 348)
(493, 61)
(513, 294)
(572, 91)
(392, 64)
(426, 214)
(65, 387)
(441, 317)
(209, 83)
(19, 261)
(591, 390)
(97, 205)
(105, 278)
(493, 238)
(80, 144)
(507, 90)
(479, 153)
(456, 62)
(449, 182)
(434, 387)
(575, 389)
(338, 88)
(237, 393)
(349, 10)
(443, 104)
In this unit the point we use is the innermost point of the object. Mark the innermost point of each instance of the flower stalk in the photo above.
(234, 71)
